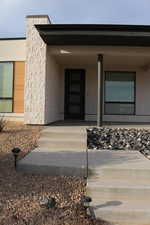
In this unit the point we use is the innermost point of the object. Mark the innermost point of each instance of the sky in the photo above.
(13, 13)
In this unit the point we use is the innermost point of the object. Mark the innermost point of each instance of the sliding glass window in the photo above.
(120, 93)
(6, 87)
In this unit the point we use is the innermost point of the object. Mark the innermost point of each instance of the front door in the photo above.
(74, 93)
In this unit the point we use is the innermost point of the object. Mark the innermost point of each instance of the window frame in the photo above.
(120, 102)
(8, 98)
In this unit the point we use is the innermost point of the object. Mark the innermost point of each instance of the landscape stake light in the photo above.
(86, 201)
(48, 203)
(16, 152)
(43, 203)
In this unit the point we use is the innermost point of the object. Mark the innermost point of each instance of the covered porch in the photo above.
(115, 89)
(89, 72)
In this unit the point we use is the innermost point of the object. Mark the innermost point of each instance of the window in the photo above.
(120, 93)
(6, 87)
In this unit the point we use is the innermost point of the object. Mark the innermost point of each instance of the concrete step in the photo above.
(54, 162)
(62, 143)
(115, 173)
(120, 182)
(66, 129)
(123, 212)
(63, 134)
(114, 164)
(119, 191)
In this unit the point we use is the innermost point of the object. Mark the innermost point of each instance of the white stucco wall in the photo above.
(53, 93)
(13, 50)
(35, 76)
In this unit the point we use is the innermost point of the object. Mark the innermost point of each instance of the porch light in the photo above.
(48, 203)
(16, 152)
(64, 52)
(86, 201)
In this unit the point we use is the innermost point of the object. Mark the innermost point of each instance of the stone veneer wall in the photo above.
(35, 75)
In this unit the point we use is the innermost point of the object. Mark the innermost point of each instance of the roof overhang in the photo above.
(90, 34)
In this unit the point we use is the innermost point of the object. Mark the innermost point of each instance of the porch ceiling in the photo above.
(87, 55)
(89, 60)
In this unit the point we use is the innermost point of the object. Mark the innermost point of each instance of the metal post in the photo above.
(100, 91)
(15, 161)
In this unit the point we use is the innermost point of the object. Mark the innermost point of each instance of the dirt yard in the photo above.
(20, 193)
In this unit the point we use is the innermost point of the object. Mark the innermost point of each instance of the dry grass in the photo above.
(18, 135)
(20, 193)
(3, 123)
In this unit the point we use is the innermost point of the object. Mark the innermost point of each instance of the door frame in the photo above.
(66, 84)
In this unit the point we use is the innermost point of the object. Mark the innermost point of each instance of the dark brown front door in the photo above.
(74, 93)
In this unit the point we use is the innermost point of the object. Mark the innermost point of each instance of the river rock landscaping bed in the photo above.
(119, 139)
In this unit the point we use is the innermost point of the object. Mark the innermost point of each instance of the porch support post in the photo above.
(100, 91)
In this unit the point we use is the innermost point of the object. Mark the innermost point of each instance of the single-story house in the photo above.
(88, 72)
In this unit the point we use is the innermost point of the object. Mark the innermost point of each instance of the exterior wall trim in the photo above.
(12, 39)
(39, 16)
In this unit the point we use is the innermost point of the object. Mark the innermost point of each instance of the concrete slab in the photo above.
(119, 181)
(62, 143)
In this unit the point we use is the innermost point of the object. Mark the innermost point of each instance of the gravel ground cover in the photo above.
(119, 139)
(20, 193)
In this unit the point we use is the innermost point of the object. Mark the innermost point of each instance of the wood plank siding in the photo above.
(19, 73)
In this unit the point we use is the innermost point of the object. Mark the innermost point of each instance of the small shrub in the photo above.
(3, 123)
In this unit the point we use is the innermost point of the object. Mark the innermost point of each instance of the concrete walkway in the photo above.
(61, 151)
(119, 184)
(119, 181)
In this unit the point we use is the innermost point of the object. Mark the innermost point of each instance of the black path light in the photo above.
(48, 203)
(86, 201)
(16, 152)
(89, 212)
